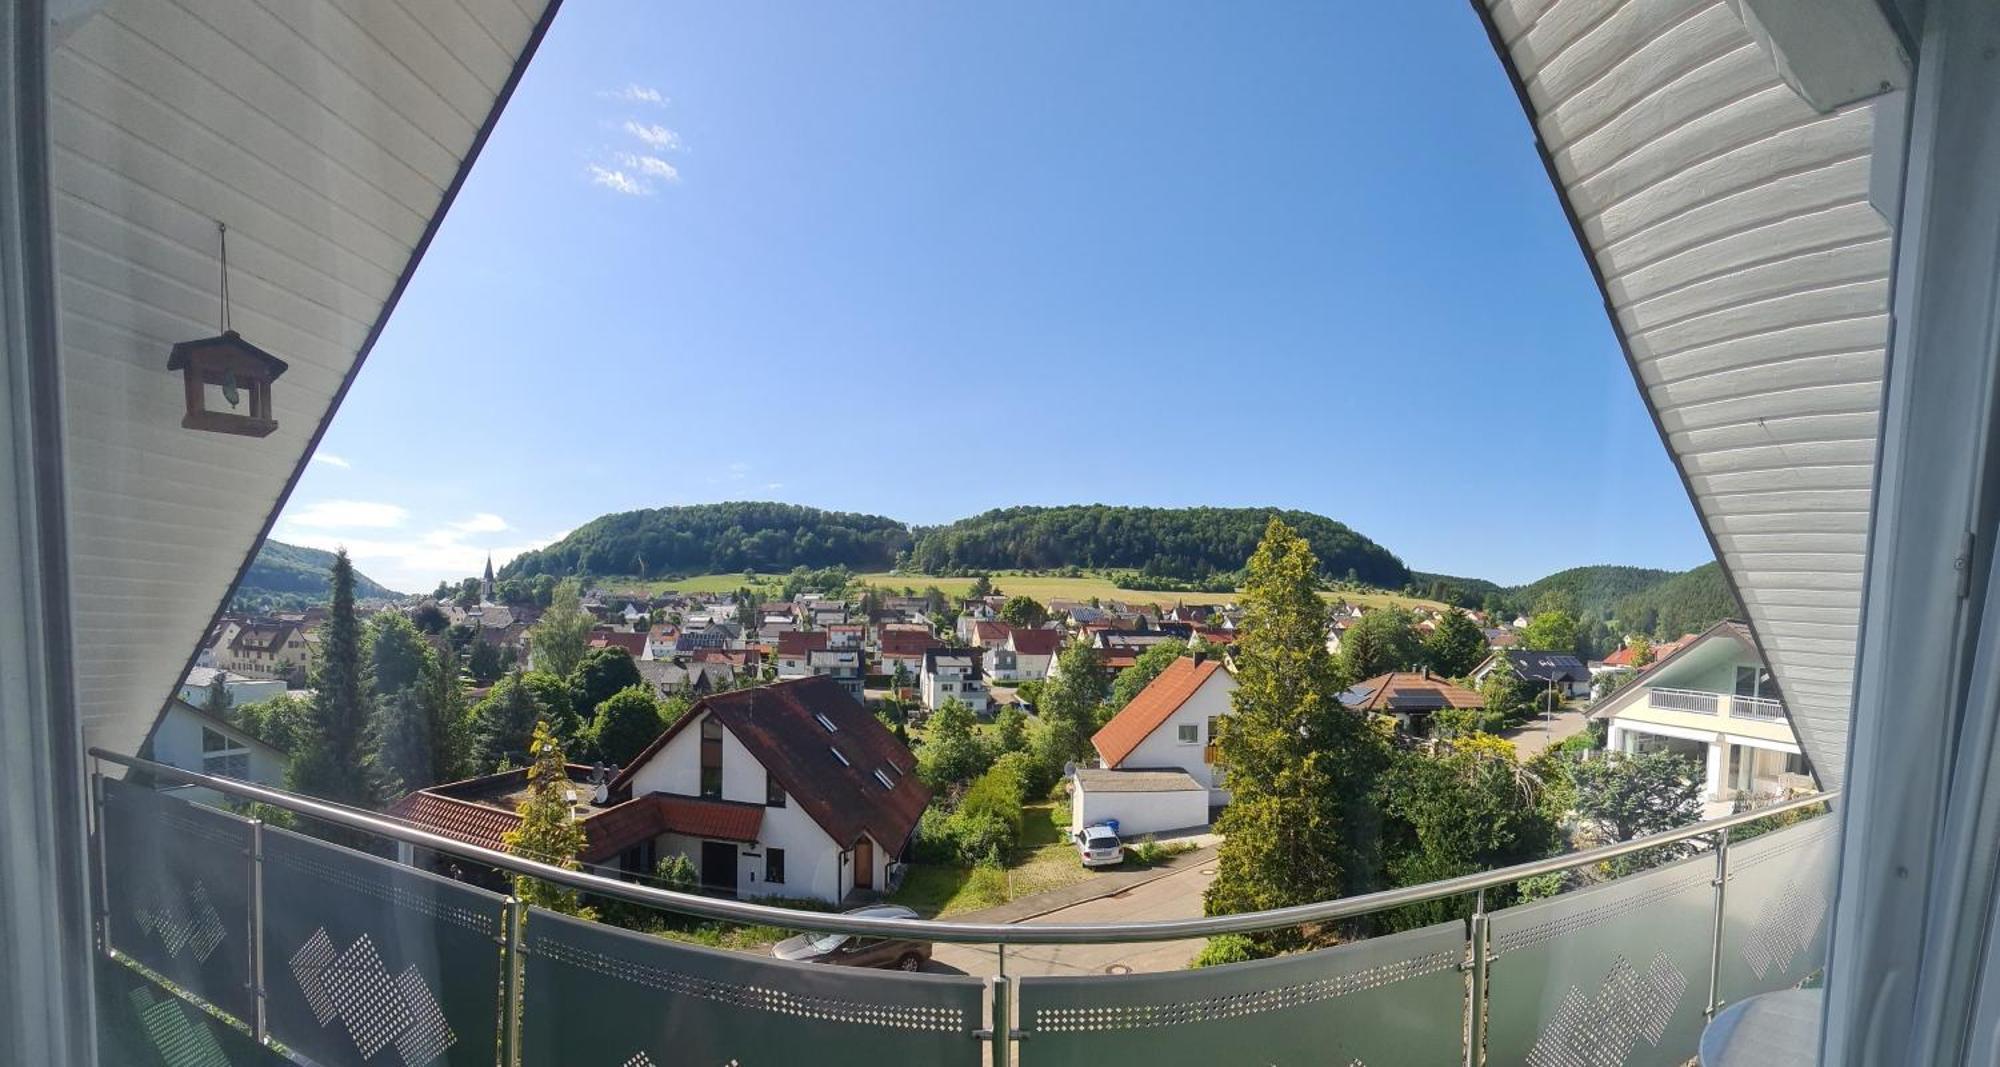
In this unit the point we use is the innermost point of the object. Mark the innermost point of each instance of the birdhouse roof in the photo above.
(229, 341)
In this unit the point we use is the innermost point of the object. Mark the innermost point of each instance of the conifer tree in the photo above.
(331, 762)
(548, 830)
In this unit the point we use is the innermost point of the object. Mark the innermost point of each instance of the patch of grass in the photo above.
(1043, 859)
(937, 890)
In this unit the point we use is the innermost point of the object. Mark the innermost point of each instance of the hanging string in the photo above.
(222, 235)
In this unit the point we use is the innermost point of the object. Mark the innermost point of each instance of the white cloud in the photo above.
(773, 486)
(618, 181)
(348, 514)
(484, 522)
(415, 564)
(331, 460)
(650, 166)
(635, 93)
(654, 135)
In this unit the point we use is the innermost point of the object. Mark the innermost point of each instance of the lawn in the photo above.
(1044, 860)
(1041, 587)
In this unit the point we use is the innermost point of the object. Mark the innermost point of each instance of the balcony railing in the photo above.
(1742, 707)
(298, 948)
(1689, 700)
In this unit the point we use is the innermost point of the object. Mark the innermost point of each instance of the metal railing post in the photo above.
(511, 975)
(1715, 933)
(259, 1026)
(1003, 1015)
(1475, 1019)
(101, 907)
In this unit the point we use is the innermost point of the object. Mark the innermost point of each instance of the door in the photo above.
(718, 866)
(864, 864)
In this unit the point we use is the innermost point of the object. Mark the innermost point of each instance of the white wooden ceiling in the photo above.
(1749, 277)
(328, 135)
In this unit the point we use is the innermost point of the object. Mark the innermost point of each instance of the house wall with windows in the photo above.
(1184, 740)
(192, 740)
(813, 864)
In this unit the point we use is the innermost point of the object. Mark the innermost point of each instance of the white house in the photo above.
(795, 648)
(1024, 656)
(242, 689)
(791, 789)
(187, 737)
(1712, 701)
(953, 674)
(1171, 724)
(1559, 671)
(1141, 802)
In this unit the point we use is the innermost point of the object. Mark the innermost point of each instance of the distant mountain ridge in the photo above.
(285, 575)
(1646, 599)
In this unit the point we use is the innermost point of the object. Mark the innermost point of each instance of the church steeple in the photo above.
(486, 584)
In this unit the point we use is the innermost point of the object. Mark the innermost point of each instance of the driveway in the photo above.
(1531, 738)
(1174, 896)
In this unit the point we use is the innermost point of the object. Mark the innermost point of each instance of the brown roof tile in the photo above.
(1160, 699)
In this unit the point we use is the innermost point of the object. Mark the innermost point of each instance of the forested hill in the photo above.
(293, 576)
(1182, 543)
(718, 538)
(1641, 599)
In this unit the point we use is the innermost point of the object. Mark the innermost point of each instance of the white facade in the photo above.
(954, 677)
(1138, 812)
(1183, 741)
(1007, 665)
(815, 866)
(242, 690)
(194, 741)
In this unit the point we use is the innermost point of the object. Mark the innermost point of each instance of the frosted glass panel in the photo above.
(1776, 912)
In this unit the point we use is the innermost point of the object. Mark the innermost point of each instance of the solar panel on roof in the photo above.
(1416, 699)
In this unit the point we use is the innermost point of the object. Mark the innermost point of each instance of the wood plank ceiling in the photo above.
(1747, 273)
(329, 135)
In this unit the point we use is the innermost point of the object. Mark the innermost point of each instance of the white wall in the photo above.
(812, 861)
(242, 691)
(1139, 813)
(177, 743)
(1162, 747)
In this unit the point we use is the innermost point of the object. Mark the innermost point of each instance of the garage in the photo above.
(1142, 801)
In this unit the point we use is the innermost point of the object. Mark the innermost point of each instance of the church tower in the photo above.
(486, 584)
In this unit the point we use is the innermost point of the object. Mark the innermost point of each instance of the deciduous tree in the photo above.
(1024, 611)
(503, 725)
(1626, 796)
(548, 830)
(626, 722)
(601, 673)
(558, 639)
(1465, 807)
(1148, 666)
(1456, 646)
(1384, 639)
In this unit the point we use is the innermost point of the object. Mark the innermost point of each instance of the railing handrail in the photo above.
(943, 929)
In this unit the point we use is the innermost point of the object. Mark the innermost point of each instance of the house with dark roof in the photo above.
(791, 789)
(1171, 724)
(954, 674)
(1560, 671)
(795, 648)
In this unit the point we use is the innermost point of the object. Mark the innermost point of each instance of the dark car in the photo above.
(851, 951)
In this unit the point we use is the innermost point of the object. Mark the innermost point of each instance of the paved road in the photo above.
(1176, 896)
(1531, 738)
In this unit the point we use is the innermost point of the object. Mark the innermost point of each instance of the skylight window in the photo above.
(826, 722)
(839, 756)
(883, 777)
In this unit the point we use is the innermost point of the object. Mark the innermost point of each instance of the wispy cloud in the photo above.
(484, 522)
(773, 487)
(634, 93)
(653, 135)
(349, 515)
(419, 561)
(618, 181)
(650, 166)
(331, 460)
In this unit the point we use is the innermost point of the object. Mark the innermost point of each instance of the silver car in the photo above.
(1099, 846)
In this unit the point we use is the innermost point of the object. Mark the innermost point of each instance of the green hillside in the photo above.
(293, 576)
(718, 538)
(1647, 600)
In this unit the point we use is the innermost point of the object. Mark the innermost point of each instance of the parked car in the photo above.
(1099, 846)
(848, 950)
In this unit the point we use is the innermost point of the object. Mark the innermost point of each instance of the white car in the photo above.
(1099, 845)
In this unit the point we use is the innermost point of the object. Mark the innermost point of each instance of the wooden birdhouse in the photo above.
(239, 371)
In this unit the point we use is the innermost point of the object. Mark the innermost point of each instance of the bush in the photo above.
(982, 837)
(1226, 948)
(986, 887)
(996, 793)
(1151, 853)
(935, 843)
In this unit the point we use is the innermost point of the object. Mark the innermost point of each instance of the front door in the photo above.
(718, 866)
(864, 864)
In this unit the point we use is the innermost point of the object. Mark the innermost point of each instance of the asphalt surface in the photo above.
(1174, 896)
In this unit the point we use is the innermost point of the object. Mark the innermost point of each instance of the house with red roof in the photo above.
(1171, 724)
(795, 649)
(1024, 656)
(1410, 697)
(791, 789)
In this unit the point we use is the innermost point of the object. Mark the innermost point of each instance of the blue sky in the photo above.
(925, 259)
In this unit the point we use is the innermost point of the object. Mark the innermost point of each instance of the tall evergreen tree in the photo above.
(548, 830)
(332, 761)
(1302, 769)
(558, 640)
(217, 700)
(1456, 646)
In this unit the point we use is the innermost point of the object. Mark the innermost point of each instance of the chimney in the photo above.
(1427, 672)
(1199, 655)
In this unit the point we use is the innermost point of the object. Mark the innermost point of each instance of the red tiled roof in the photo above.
(779, 725)
(983, 632)
(621, 826)
(463, 820)
(796, 643)
(1384, 687)
(634, 643)
(1118, 659)
(1036, 642)
(899, 642)
(1160, 699)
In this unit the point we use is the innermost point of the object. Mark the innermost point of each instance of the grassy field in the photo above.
(1042, 861)
(1041, 587)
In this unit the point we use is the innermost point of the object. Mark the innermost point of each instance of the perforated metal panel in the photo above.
(140, 1024)
(601, 995)
(1390, 1000)
(1775, 914)
(1613, 975)
(370, 962)
(177, 879)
